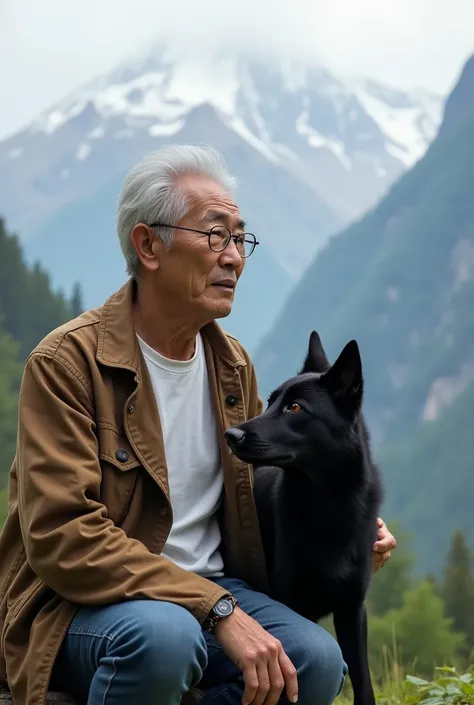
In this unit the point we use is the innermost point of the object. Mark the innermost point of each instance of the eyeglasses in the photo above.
(219, 237)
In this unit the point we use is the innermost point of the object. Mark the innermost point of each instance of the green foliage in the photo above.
(10, 377)
(428, 478)
(29, 307)
(448, 687)
(457, 588)
(418, 632)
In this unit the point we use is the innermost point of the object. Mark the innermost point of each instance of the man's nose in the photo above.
(231, 256)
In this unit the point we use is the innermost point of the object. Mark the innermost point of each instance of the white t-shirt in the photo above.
(195, 474)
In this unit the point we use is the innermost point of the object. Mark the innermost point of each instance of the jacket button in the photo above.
(164, 512)
(231, 400)
(121, 455)
(131, 409)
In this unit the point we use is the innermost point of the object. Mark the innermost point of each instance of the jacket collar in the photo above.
(117, 344)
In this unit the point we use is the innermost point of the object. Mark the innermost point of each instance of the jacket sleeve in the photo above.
(70, 541)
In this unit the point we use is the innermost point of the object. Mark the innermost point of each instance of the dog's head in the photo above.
(310, 417)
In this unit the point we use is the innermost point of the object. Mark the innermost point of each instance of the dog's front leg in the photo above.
(351, 630)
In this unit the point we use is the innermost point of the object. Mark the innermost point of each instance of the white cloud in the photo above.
(50, 47)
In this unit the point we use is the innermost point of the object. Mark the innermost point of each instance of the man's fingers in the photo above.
(251, 683)
(290, 675)
(384, 545)
(264, 683)
(385, 540)
(277, 681)
(380, 560)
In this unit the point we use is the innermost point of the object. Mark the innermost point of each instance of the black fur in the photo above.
(319, 499)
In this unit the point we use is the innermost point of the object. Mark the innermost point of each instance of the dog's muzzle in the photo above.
(234, 436)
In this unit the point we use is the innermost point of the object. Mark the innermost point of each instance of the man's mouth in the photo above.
(225, 284)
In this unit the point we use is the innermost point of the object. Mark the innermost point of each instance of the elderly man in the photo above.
(131, 561)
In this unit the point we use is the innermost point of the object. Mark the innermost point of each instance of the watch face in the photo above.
(223, 608)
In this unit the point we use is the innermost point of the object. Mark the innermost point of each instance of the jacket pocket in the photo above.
(120, 469)
(114, 448)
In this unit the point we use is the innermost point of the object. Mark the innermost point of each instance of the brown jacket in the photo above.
(86, 523)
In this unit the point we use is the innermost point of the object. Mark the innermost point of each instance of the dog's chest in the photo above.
(321, 556)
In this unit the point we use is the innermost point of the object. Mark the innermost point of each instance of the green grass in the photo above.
(447, 687)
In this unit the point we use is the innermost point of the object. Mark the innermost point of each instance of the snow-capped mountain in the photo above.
(311, 152)
(347, 142)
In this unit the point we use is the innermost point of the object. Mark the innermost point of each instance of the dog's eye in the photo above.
(294, 407)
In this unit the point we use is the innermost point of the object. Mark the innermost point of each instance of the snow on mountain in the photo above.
(408, 120)
(159, 98)
(347, 141)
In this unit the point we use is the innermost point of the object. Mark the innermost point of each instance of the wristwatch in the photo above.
(223, 608)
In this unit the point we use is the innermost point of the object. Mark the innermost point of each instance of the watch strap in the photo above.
(213, 618)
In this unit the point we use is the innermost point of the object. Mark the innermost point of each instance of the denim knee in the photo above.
(166, 645)
(318, 659)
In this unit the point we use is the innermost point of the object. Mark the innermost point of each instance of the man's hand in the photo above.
(265, 666)
(383, 547)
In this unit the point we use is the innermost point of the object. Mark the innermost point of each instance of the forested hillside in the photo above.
(401, 281)
(29, 309)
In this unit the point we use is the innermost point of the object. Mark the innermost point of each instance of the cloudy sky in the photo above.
(49, 47)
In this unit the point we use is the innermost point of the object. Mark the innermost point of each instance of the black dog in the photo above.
(319, 502)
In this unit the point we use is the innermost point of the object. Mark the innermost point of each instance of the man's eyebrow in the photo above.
(222, 217)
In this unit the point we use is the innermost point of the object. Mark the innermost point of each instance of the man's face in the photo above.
(190, 274)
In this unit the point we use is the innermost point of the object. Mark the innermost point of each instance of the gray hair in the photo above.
(151, 193)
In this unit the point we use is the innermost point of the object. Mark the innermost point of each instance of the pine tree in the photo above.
(458, 587)
(29, 306)
(76, 304)
(10, 377)
(418, 633)
(29, 309)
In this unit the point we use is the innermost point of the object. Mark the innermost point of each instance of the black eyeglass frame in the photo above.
(254, 242)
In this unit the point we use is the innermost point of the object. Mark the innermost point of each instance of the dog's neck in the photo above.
(340, 475)
(308, 496)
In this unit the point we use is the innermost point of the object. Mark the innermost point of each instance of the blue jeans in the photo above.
(145, 652)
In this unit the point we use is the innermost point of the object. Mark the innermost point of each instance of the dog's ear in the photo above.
(316, 360)
(344, 380)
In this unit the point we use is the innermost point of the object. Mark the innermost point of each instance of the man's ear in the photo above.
(316, 360)
(147, 246)
(344, 379)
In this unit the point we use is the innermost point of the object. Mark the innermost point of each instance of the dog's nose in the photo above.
(234, 436)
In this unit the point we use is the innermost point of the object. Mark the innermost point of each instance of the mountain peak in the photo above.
(460, 102)
(347, 140)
